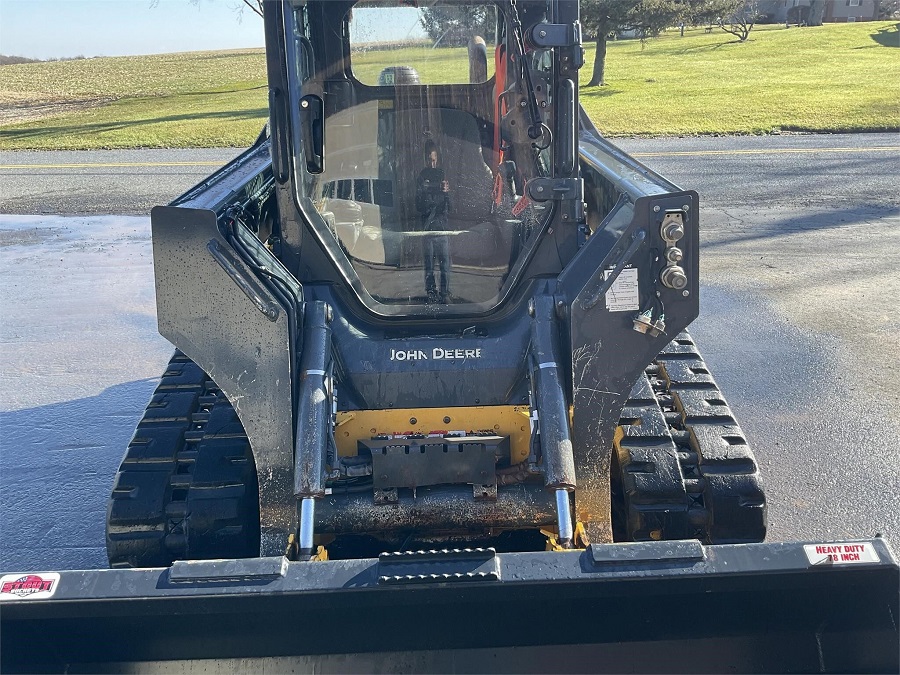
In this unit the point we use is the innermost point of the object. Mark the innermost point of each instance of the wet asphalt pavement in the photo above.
(104, 182)
(799, 325)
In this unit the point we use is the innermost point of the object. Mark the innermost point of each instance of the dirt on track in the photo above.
(17, 107)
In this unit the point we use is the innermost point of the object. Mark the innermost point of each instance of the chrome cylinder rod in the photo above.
(564, 518)
(307, 526)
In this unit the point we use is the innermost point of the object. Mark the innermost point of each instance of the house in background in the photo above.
(836, 11)
(841, 11)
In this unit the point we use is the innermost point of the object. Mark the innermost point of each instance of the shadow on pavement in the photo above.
(57, 467)
(811, 221)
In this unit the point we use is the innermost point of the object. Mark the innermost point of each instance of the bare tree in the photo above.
(649, 17)
(741, 22)
(887, 9)
(255, 5)
(602, 17)
(455, 25)
(816, 13)
(711, 12)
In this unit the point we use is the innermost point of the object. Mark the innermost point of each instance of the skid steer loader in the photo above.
(433, 406)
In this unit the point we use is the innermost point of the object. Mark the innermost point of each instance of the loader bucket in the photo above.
(644, 607)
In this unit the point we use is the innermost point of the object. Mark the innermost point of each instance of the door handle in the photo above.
(312, 132)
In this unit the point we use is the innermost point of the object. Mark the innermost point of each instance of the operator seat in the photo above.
(475, 239)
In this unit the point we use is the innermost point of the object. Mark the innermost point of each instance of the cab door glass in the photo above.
(426, 155)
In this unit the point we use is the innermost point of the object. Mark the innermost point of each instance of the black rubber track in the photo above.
(682, 468)
(187, 488)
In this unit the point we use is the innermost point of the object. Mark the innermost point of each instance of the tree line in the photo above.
(454, 25)
(603, 18)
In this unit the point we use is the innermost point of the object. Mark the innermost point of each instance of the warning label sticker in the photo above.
(623, 295)
(840, 554)
(28, 586)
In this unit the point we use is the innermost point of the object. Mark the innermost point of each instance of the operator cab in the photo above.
(414, 130)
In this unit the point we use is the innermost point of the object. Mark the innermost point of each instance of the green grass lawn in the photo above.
(838, 77)
(434, 66)
(196, 99)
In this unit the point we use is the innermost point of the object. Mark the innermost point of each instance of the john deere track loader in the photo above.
(432, 405)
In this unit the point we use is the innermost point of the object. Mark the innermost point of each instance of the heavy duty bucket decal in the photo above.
(28, 586)
(840, 554)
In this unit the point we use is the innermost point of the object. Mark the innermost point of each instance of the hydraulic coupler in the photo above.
(313, 422)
